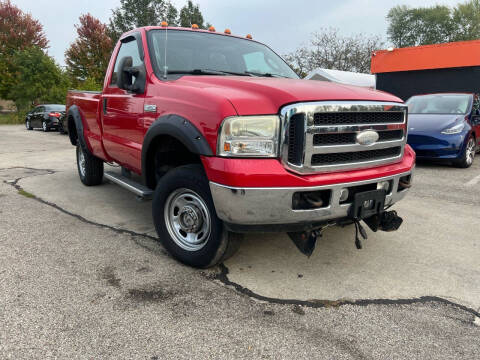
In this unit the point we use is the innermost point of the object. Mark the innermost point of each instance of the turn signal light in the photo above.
(227, 31)
(211, 28)
(249, 36)
(194, 26)
(164, 24)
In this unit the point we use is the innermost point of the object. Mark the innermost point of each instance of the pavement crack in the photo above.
(223, 278)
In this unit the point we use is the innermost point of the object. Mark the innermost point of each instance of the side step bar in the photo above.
(133, 186)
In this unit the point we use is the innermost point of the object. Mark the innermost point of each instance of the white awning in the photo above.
(342, 77)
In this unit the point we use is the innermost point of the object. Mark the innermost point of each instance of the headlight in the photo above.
(454, 129)
(249, 136)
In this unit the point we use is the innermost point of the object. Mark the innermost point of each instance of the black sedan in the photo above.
(45, 117)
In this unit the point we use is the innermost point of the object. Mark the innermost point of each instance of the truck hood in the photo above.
(261, 95)
(418, 123)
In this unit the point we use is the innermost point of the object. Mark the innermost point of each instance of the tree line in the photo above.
(30, 75)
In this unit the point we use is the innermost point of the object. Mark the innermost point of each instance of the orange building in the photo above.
(450, 67)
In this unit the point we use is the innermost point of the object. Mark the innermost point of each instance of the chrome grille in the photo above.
(322, 136)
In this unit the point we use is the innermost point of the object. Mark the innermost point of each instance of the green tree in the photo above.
(38, 79)
(18, 31)
(136, 13)
(432, 25)
(190, 14)
(466, 18)
(87, 58)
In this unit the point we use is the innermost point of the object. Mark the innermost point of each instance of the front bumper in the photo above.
(437, 146)
(270, 209)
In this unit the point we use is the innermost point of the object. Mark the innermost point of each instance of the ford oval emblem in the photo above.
(367, 137)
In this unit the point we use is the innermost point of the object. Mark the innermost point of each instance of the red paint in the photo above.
(206, 101)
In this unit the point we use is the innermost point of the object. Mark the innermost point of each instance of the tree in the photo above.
(87, 58)
(433, 25)
(190, 14)
(18, 31)
(38, 79)
(329, 49)
(136, 13)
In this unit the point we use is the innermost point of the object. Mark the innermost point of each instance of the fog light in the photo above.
(384, 185)
(344, 195)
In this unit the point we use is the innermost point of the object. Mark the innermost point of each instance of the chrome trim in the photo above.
(310, 109)
(269, 206)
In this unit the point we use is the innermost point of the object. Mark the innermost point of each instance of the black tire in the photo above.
(91, 169)
(191, 181)
(468, 155)
(45, 127)
(28, 125)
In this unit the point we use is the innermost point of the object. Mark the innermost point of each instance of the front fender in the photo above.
(179, 128)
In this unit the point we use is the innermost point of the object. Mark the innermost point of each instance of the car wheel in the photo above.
(90, 168)
(468, 154)
(28, 125)
(45, 126)
(185, 219)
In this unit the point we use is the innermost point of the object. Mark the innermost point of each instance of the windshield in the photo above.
(192, 52)
(439, 104)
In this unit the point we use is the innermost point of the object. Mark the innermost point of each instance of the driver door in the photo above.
(122, 113)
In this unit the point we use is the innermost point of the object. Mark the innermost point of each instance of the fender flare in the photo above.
(179, 128)
(74, 112)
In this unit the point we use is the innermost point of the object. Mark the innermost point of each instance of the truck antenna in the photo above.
(165, 67)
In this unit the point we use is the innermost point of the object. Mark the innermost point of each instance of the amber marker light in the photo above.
(211, 28)
(194, 26)
(164, 24)
(226, 147)
(249, 36)
(227, 31)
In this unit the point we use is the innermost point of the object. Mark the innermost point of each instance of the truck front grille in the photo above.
(323, 136)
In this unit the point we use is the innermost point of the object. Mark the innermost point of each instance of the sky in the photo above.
(283, 25)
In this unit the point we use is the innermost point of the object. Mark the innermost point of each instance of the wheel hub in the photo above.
(191, 219)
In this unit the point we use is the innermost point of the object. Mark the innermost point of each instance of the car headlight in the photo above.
(454, 129)
(249, 136)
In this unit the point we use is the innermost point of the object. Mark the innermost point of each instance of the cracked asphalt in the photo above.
(82, 276)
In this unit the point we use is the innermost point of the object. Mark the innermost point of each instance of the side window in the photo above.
(40, 109)
(129, 48)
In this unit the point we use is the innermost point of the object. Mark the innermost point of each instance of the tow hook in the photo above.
(305, 241)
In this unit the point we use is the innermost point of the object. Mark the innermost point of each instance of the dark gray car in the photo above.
(45, 117)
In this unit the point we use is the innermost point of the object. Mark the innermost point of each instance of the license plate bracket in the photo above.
(368, 203)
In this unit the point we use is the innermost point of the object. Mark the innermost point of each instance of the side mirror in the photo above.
(127, 72)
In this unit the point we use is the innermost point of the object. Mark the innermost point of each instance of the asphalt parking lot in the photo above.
(82, 275)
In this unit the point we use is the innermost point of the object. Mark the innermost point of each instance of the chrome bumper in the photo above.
(270, 206)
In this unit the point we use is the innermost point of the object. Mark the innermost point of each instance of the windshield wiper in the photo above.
(265, 74)
(206, 72)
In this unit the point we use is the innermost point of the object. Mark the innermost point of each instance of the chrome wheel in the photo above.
(27, 124)
(187, 219)
(44, 126)
(470, 151)
(81, 161)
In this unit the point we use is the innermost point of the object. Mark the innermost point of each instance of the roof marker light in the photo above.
(249, 36)
(164, 24)
(211, 28)
(227, 31)
(194, 26)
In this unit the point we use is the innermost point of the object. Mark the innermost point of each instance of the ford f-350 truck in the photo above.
(226, 139)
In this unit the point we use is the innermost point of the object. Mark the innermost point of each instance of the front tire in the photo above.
(185, 219)
(468, 154)
(28, 125)
(90, 168)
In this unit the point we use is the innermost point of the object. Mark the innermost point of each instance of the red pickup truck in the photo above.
(226, 139)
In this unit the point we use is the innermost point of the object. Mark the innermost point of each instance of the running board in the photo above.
(133, 186)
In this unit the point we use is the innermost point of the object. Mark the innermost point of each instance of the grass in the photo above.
(11, 118)
(26, 194)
